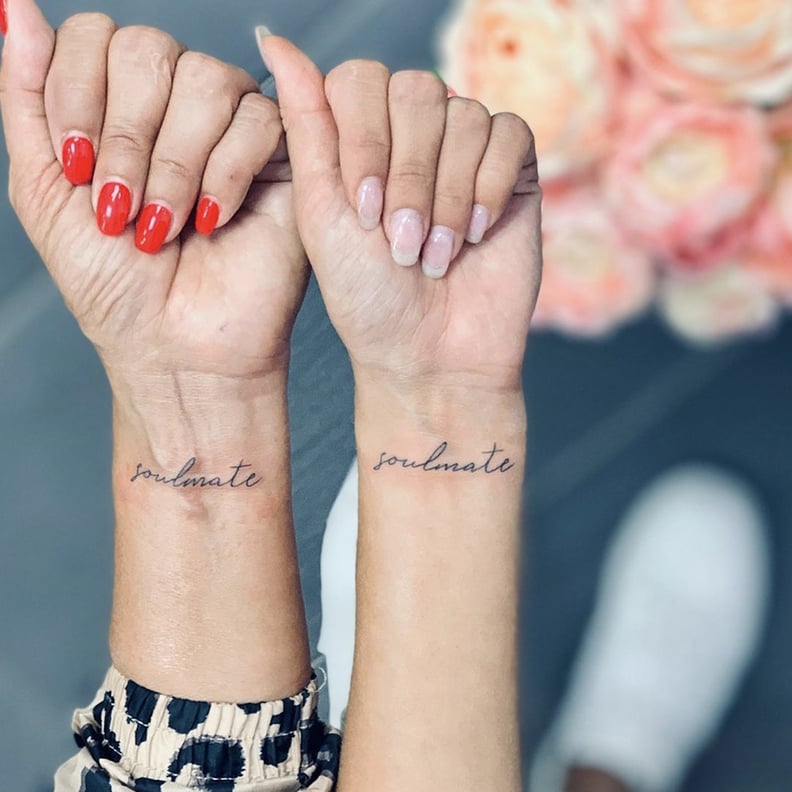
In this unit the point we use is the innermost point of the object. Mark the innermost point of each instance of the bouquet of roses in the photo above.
(664, 130)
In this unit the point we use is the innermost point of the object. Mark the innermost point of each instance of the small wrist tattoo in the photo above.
(436, 461)
(243, 476)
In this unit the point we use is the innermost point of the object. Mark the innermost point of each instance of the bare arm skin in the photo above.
(193, 330)
(437, 353)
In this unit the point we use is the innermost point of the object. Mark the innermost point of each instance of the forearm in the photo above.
(438, 577)
(207, 602)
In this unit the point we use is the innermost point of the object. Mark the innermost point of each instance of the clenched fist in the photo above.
(390, 171)
(116, 136)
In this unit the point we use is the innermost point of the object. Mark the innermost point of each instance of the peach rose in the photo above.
(773, 229)
(685, 178)
(549, 61)
(725, 50)
(593, 280)
(773, 269)
(718, 305)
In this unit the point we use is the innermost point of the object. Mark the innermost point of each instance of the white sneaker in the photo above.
(679, 615)
(339, 555)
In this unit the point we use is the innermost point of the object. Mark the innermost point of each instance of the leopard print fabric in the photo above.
(133, 738)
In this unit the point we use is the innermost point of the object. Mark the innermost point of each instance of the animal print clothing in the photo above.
(133, 738)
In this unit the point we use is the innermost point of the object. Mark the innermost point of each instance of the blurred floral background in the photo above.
(664, 133)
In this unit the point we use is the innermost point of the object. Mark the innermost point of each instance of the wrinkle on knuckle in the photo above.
(173, 167)
(368, 145)
(202, 77)
(143, 49)
(259, 109)
(411, 177)
(124, 140)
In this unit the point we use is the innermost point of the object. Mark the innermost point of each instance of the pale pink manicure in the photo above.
(438, 251)
(371, 199)
(479, 224)
(407, 236)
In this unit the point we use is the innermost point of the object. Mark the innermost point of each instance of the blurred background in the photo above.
(607, 415)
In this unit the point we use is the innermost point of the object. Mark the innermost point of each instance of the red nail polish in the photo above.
(113, 208)
(152, 228)
(3, 18)
(207, 216)
(78, 160)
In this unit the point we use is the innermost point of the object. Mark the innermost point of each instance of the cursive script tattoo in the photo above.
(241, 477)
(433, 462)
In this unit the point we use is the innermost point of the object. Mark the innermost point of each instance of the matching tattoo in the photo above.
(437, 462)
(244, 477)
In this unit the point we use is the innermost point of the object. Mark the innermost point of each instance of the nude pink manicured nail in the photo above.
(370, 199)
(438, 251)
(407, 236)
(479, 224)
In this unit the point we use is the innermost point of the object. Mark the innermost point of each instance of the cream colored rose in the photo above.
(593, 279)
(546, 60)
(718, 305)
(721, 49)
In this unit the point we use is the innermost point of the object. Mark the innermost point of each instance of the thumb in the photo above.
(27, 55)
(311, 132)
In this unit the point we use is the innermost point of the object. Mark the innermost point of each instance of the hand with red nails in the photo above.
(420, 213)
(115, 137)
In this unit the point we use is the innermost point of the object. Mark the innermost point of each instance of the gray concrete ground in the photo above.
(606, 418)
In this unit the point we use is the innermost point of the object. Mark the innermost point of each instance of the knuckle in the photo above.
(199, 67)
(89, 22)
(467, 112)
(511, 125)
(259, 109)
(358, 71)
(202, 76)
(141, 38)
(146, 46)
(417, 87)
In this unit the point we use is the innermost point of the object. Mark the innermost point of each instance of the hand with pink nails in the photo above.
(420, 214)
(154, 183)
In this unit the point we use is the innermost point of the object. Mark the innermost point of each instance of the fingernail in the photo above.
(407, 236)
(3, 18)
(207, 216)
(451, 92)
(78, 160)
(438, 251)
(479, 224)
(152, 228)
(262, 31)
(113, 208)
(371, 198)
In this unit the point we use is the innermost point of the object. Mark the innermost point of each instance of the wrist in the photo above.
(433, 406)
(172, 417)
(440, 429)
